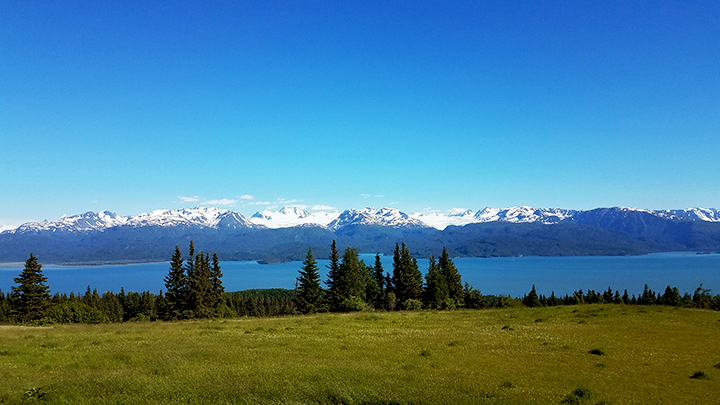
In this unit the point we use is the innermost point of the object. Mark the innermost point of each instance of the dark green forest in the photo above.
(193, 289)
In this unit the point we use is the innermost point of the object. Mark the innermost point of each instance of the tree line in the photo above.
(194, 289)
(353, 285)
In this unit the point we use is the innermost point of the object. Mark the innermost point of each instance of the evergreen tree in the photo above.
(308, 295)
(436, 289)
(397, 269)
(333, 275)
(626, 298)
(31, 298)
(532, 299)
(200, 288)
(217, 288)
(452, 277)
(351, 277)
(190, 264)
(408, 279)
(473, 298)
(175, 286)
(379, 277)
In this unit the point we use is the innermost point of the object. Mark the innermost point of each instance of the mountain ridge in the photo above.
(490, 232)
(288, 217)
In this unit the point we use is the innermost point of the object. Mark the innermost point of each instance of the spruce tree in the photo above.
(379, 277)
(31, 298)
(351, 280)
(190, 262)
(452, 277)
(199, 287)
(308, 295)
(392, 284)
(175, 286)
(333, 275)
(532, 300)
(436, 290)
(217, 288)
(408, 279)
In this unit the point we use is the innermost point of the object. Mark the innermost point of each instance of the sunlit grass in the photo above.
(649, 355)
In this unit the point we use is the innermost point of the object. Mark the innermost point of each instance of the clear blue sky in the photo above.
(134, 106)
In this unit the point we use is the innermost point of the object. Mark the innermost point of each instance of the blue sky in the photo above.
(134, 106)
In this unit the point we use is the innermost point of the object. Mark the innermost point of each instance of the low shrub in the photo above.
(597, 352)
(74, 312)
(700, 375)
(412, 305)
(579, 395)
(352, 304)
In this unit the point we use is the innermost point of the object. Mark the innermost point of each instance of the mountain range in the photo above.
(286, 234)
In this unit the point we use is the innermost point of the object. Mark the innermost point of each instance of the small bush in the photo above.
(456, 343)
(597, 352)
(578, 395)
(508, 384)
(717, 365)
(140, 318)
(449, 303)
(412, 305)
(508, 328)
(75, 312)
(425, 353)
(700, 375)
(352, 304)
(35, 394)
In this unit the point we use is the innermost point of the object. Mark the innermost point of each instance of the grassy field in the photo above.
(643, 355)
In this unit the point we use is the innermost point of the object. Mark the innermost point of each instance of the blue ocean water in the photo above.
(512, 276)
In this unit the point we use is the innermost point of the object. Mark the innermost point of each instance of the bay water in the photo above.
(513, 276)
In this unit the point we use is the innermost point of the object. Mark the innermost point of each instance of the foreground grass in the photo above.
(643, 355)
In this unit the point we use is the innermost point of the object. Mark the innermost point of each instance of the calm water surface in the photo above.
(511, 276)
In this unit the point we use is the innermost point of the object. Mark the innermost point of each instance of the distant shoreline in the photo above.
(10, 265)
(13, 265)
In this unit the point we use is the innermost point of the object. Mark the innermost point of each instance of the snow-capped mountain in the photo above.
(89, 221)
(697, 214)
(211, 217)
(524, 215)
(390, 217)
(288, 217)
(440, 220)
(106, 236)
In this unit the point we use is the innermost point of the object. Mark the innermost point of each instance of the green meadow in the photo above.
(586, 354)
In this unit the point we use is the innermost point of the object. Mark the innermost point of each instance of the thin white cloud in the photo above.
(283, 201)
(365, 195)
(379, 196)
(189, 199)
(394, 203)
(298, 206)
(246, 197)
(224, 201)
(260, 203)
(320, 207)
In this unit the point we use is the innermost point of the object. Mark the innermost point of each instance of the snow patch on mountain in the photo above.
(696, 214)
(390, 217)
(524, 215)
(440, 220)
(288, 217)
(199, 216)
(7, 228)
(89, 221)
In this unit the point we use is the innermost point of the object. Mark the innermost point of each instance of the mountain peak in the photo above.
(391, 217)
